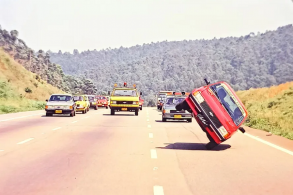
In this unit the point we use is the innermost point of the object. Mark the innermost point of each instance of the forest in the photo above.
(39, 62)
(252, 61)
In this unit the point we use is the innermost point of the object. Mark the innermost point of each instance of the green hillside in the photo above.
(20, 89)
(270, 109)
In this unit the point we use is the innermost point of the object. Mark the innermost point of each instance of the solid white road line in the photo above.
(270, 144)
(153, 153)
(18, 117)
(56, 128)
(74, 122)
(24, 141)
(151, 135)
(158, 190)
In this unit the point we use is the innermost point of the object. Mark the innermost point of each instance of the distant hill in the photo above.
(251, 61)
(20, 89)
(270, 109)
(39, 63)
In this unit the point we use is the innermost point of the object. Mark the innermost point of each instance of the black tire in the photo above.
(189, 120)
(96, 108)
(136, 112)
(106, 107)
(164, 120)
(83, 112)
(72, 114)
(140, 108)
(211, 145)
(112, 112)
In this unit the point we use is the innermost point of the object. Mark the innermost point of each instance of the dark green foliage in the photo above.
(251, 61)
(40, 64)
(28, 90)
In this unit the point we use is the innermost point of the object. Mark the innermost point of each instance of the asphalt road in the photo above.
(96, 153)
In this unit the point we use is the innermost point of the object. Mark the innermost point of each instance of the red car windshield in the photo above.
(229, 102)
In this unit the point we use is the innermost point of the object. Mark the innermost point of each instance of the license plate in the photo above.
(123, 108)
(58, 111)
(177, 116)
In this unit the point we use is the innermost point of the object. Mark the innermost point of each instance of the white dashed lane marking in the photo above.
(24, 141)
(1, 150)
(158, 190)
(151, 135)
(153, 153)
(56, 128)
(149, 126)
(74, 122)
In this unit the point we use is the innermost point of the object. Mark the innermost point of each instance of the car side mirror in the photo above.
(46, 100)
(140, 93)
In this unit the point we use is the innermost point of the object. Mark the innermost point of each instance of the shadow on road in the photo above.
(64, 115)
(193, 146)
(119, 115)
(172, 121)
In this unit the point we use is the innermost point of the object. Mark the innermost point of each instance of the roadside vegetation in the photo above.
(270, 109)
(20, 89)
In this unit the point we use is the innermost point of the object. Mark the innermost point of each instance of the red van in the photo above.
(218, 111)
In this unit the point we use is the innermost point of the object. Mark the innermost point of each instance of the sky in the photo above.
(100, 24)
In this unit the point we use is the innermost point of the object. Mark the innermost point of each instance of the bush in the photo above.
(7, 109)
(28, 90)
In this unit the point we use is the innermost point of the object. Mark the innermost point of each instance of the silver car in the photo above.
(60, 104)
(169, 111)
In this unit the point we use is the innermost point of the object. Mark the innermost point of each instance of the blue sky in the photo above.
(100, 24)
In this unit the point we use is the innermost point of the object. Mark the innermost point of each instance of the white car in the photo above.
(60, 104)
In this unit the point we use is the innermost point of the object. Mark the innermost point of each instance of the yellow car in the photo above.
(82, 103)
(124, 99)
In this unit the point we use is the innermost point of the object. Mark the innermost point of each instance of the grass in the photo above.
(20, 89)
(270, 109)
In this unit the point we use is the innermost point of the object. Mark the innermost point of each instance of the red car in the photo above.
(102, 101)
(140, 103)
(217, 110)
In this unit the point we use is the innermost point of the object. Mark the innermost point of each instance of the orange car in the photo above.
(102, 101)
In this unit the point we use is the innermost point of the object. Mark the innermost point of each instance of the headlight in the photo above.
(166, 111)
(135, 102)
(113, 102)
(198, 97)
(223, 131)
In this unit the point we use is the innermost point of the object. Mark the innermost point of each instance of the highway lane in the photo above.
(96, 153)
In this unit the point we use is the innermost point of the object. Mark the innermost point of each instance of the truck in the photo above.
(160, 97)
(217, 109)
(124, 99)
